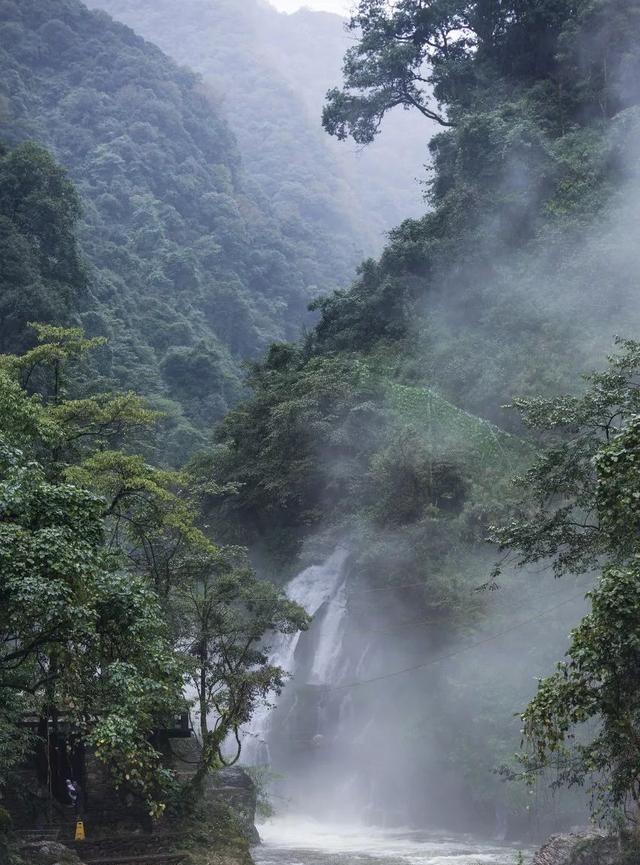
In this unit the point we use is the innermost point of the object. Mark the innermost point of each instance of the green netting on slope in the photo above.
(454, 433)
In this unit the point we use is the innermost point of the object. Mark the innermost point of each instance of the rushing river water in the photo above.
(298, 842)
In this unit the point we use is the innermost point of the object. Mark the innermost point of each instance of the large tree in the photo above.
(440, 56)
(226, 615)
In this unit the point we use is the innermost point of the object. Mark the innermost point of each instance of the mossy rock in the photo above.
(607, 851)
(631, 852)
(579, 848)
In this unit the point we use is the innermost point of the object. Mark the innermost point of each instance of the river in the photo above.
(300, 842)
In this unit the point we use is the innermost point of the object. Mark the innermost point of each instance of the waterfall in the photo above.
(329, 639)
(316, 587)
(334, 750)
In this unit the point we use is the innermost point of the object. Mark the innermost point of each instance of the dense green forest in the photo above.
(270, 73)
(43, 274)
(192, 268)
(383, 428)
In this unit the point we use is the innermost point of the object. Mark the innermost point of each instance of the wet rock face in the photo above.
(580, 848)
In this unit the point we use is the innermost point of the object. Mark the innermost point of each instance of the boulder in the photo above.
(47, 853)
(588, 847)
(234, 789)
(228, 789)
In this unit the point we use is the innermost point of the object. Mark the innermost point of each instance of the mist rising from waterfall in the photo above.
(351, 750)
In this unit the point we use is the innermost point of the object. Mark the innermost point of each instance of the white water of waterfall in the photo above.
(314, 587)
(329, 639)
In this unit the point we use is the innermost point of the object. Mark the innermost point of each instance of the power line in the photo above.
(454, 654)
(422, 585)
(409, 622)
(400, 586)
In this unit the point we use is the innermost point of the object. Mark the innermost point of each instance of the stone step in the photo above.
(27, 835)
(119, 844)
(146, 859)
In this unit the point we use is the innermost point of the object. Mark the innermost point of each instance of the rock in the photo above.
(233, 788)
(229, 788)
(588, 847)
(47, 853)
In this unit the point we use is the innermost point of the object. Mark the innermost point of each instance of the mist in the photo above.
(388, 713)
(394, 716)
(297, 321)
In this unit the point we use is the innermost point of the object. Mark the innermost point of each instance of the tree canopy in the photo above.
(104, 570)
(191, 266)
(43, 275)
(438, 56)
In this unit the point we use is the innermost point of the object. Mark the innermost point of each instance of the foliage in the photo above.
(511, 284)
(269, 73)
(150, 511)
(579, 500)
(597, 682)
(99, 552)
(406, 480)
(42, 272)
(225, 611)
(323, 437)
(531, 189)
(409, 53)
(579, 509)
(80, 637)
(262, 777)
(275, 448)
(191, 268)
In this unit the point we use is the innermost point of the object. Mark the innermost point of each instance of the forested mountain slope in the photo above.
(271, 72)
(521, 275)
(514, 284)
(191, 268)
(42, 275)
(527, 265)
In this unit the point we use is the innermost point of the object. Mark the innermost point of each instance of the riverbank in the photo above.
(203, 846)
(216, 827)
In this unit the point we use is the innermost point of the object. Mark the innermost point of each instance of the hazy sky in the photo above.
(340, 6)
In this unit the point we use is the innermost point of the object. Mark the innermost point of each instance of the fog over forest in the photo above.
(319, 432)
